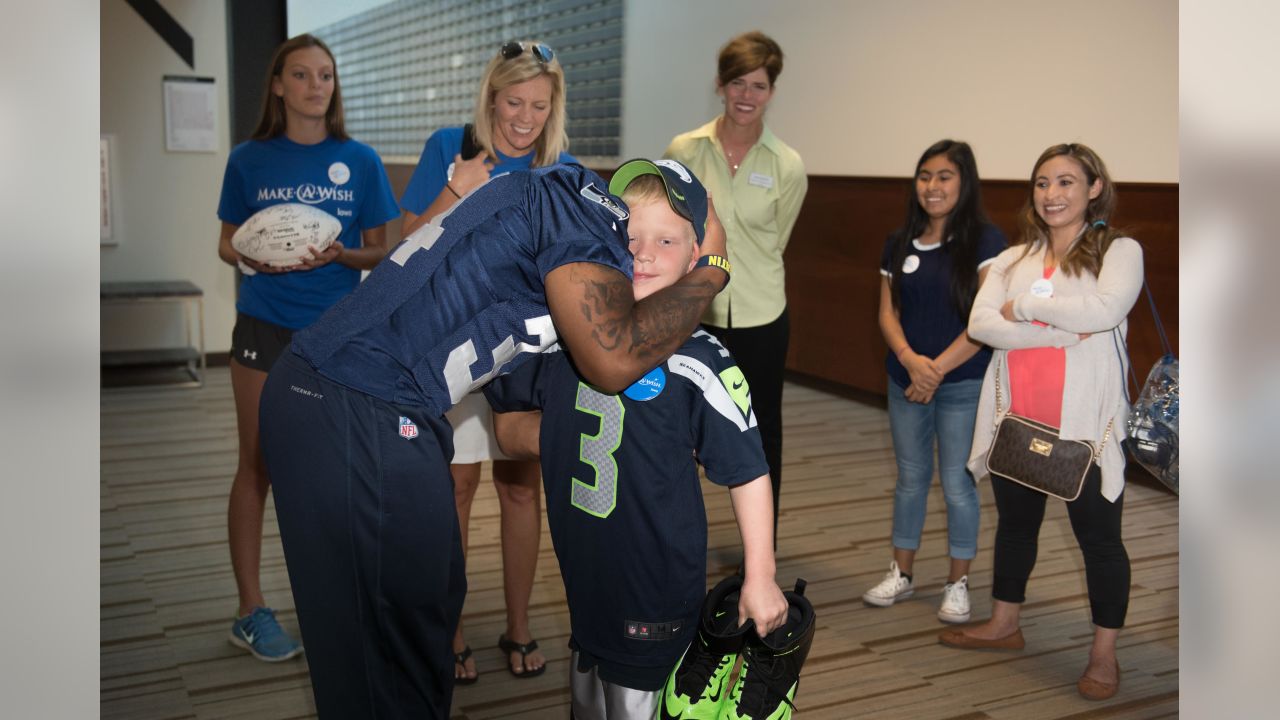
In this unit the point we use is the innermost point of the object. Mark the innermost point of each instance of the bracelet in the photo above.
(715, 261)
(902, 350)
(455, 192)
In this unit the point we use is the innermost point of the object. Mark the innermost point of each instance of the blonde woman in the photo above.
(519, 125)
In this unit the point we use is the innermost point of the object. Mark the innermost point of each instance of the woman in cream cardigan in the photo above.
(1050, 308)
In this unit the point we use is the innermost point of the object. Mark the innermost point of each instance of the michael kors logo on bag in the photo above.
(1040, 446)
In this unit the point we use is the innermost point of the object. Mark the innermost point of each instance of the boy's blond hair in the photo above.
(647, 189)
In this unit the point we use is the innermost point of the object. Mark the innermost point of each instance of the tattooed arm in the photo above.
(613, 339)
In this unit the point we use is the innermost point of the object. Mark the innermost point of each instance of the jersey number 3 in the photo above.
(601, 496)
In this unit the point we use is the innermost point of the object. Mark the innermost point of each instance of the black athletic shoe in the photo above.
(766, 686)
(699, 684)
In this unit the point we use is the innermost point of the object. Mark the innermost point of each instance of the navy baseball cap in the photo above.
(686, 195)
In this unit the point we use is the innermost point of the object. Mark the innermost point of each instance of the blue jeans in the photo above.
(949, 417)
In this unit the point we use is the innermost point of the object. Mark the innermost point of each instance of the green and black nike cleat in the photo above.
(698, 685)
(770, 676)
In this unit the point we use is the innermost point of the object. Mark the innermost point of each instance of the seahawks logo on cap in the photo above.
(675, 167)
(591, 193)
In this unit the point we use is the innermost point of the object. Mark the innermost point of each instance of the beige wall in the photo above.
(166, 202)
(869, 84)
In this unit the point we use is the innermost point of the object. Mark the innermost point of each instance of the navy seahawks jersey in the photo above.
(624, 502)
(458, 302)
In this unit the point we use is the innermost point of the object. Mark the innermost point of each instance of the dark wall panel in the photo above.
(254, 29)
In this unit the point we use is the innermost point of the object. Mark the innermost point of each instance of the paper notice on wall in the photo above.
(190, 114)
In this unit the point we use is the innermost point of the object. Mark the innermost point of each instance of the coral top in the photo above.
(1035, 380)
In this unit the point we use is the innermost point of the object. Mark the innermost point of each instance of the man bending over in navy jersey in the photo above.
(352, 423)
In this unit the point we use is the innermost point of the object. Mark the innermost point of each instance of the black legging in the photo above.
(1096, 524)
(761, 354)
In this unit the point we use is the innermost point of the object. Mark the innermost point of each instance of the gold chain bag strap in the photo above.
(1030, 453)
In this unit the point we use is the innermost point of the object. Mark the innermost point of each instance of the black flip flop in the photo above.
(460, 659)
(510, 646)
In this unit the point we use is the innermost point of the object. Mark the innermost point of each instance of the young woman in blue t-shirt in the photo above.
(932, 267)
(300, 152)
(519, 125)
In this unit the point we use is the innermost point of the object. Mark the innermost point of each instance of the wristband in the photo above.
(716, 261)
(902, 350)
(455, 192)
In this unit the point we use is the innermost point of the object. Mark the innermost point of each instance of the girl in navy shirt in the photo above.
(932, 267)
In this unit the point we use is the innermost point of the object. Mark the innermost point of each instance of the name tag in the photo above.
(1042, 288)
(759, 180)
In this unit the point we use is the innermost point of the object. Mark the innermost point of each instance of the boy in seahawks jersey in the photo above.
(624, 503)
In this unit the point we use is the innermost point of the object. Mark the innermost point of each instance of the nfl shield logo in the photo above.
(408, 430)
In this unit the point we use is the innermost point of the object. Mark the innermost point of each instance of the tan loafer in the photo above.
(957, 639)
(1091, 689)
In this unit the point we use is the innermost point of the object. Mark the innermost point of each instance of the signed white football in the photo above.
(279, 235)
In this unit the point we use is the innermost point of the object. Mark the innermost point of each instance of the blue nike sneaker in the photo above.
(260, 634)
(699, 684)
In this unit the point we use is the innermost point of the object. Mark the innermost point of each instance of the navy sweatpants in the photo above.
(365, 504)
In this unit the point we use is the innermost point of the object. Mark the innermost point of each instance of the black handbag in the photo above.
(1031, 454)
(1152, 426)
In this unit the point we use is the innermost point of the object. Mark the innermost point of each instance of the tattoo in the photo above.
(605, 304)
(670, 313)
(664, 318)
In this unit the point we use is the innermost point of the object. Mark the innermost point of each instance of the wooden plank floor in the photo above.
(167, 594)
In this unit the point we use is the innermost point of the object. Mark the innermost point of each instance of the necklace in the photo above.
(734, 159)
(729, 156)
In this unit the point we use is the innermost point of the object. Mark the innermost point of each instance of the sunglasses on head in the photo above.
(513, 49)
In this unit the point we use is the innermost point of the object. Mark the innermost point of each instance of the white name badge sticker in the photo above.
(1042, 288)
(911, 264)
(759, 180)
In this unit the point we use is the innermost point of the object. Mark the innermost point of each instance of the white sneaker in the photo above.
(955, 601)
(894, 587)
